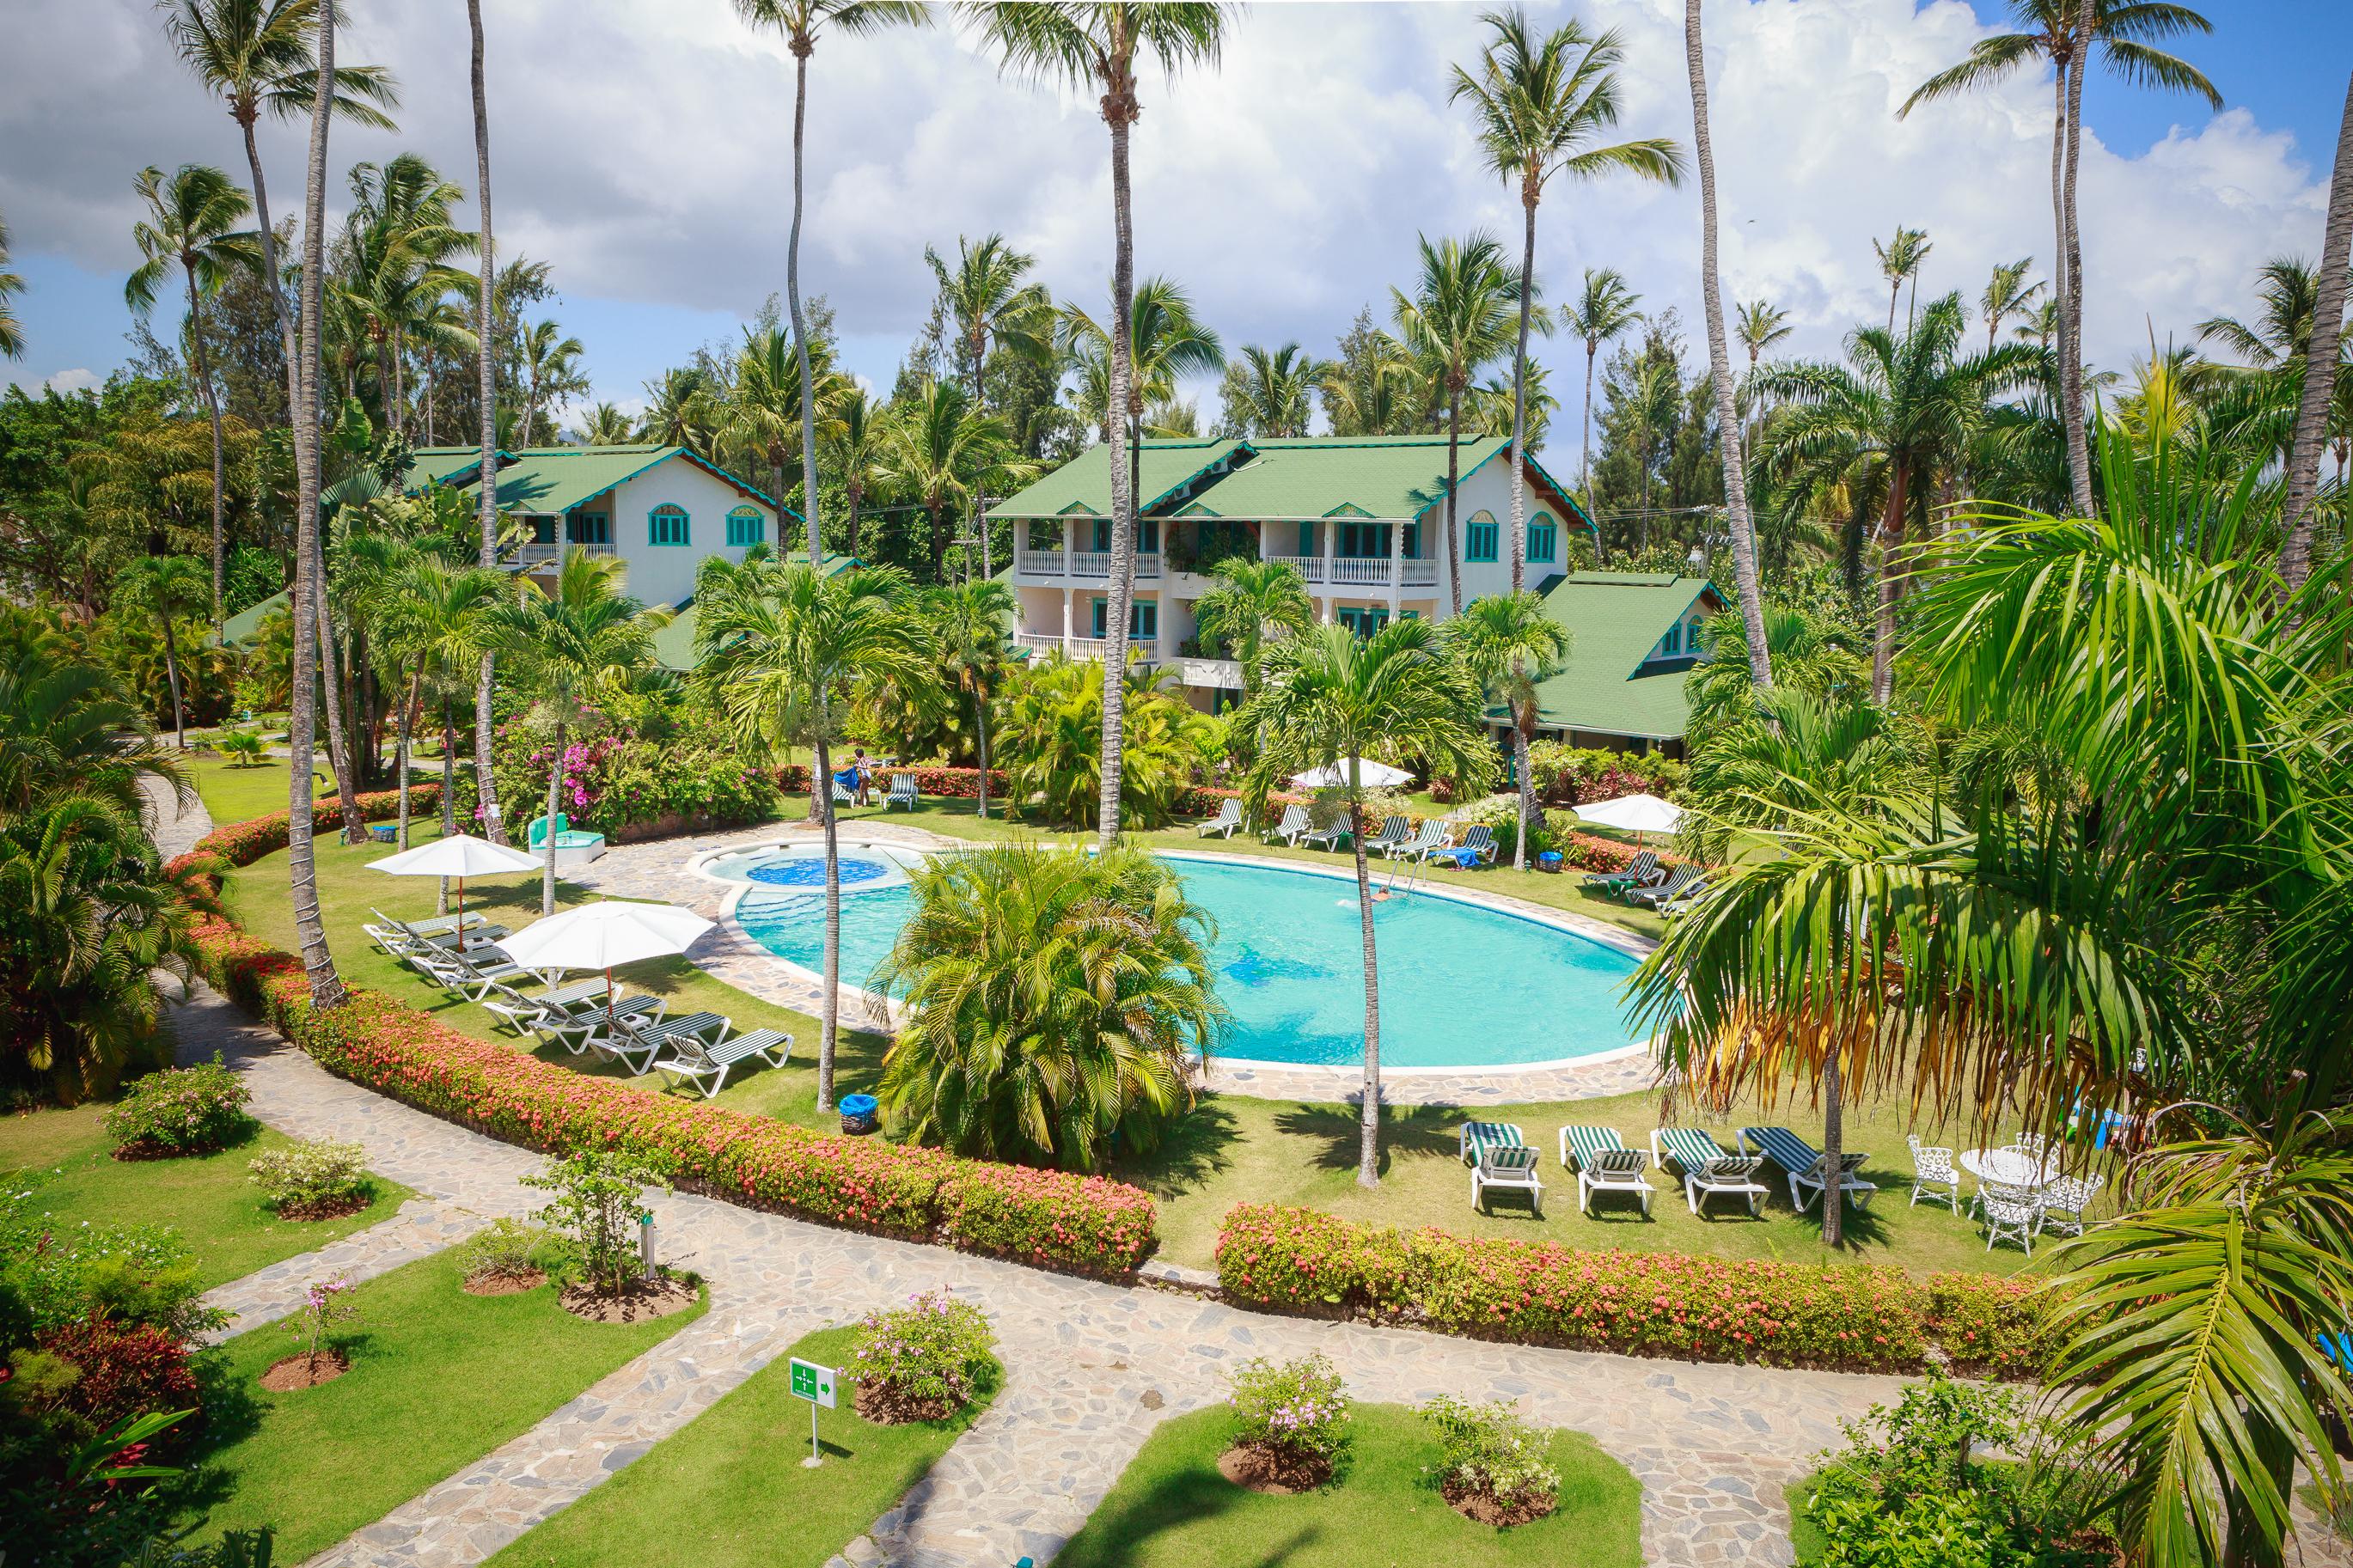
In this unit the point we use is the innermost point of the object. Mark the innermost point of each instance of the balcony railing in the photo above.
(1076, 647)
(1363, 571)
(1308, 566)
(535, 554)
(1092, 565)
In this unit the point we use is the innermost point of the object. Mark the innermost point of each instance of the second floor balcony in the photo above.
(1083, 565)
(1345, 572)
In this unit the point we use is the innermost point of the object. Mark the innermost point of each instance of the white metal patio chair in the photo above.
(1932, 1168)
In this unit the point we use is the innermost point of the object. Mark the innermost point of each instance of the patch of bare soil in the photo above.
(305, 1371)
(1479, 1503)
(325, 1208)
(496, 1282)
(886, 1404)
(639, 1301)
(1266, 1468)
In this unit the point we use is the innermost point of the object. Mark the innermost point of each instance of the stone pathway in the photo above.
(421, 1227)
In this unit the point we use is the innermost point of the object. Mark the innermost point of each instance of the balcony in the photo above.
(1342, 571)
(1045, 644)
(1084, 566)
(534, 555)
(1225, 673)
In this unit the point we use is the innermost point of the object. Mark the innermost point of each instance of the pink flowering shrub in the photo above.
(934, 1350)
(1702, 1308)
(1299, 1406)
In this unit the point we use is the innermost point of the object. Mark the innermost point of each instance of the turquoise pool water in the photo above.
(1461, 986)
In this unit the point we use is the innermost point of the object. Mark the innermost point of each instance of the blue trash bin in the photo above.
(858, 1112)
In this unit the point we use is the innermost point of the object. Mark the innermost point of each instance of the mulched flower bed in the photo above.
(499, 1282)
(1274, 1468)
(886, 1404)
(140, 1149)
(305, 1371)
(324, 1208)
(639, 1301)
(1479, 1503)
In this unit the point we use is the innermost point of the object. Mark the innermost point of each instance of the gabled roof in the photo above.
(1400, 477)
(674, 644)
(1614, 619)
(550, 481)
(245, 626)
(1083, 486)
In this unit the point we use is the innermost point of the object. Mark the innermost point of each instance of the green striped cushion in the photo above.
(1480, 1135)
(1589, 1141)
(1690, 1147)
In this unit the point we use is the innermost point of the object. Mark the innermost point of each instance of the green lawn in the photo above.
(1173, 1510)
(438, 1378)
(728, 1490)
(207, 1198)
(239, 795)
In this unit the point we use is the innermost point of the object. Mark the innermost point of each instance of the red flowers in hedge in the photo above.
(1704, 1309)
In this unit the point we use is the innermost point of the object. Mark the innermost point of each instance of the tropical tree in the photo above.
(1512, 646)
(171, 589)
(1462, 316)
(1056, 1006)
(607, 425)
(1331, 699)
(1092, 46)
(1761, 324)
(679, 410)
(1051, 731)
(11, 283)
(1267, 390)
(2065, 32)
(857, 438)
(551, 369)
(944, 451)
(568, 646)
(1605, 308)
(1906, 407)
(1543, 110)
(758, 415)
(1253, 602)
(1719, 362)
(2007, 294)
(1901, 258)
(434, 620)
(1813, 654)
(393, 256)
(988, 297)
(1168, 342)
(2324, 375)
(772, 632)
(192, 221)
(968, 625)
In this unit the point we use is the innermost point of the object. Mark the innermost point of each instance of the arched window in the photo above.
(666, 524)
(745, 526)
(1544, 538)
(1479, 540)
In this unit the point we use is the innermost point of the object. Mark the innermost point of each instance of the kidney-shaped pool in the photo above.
(1463, 984)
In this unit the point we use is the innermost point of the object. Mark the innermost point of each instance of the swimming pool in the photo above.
(1463, 984)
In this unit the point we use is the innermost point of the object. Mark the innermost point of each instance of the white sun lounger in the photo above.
(1603, 1164)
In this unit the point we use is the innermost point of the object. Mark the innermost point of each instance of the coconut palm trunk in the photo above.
(1453, 475)
(485, 783)
(554, 797)
(1369, 1119)
(1891, 583)
(1123, 494)
(1520, 394)
(980, 735)
(339, 754)
(402, 730)
(212, 413)
(1584, 446)
(830, 1011)
(2070, 308)
(2320, 362)
(172, 669)
(1834, 1150)
(1719, 361)
(310, 586)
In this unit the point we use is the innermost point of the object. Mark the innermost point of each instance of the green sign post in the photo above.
(814, 1383)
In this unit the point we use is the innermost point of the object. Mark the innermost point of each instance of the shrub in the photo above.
(626, 779)
(1300, 1407)
(1491, 1451)
(599, 1194)
(112, 1370)
(312, 1177)
(132, 1275)
(1705, 1308)
(933, 1351)
(326, 1306)
(181, 1111)
(508, 1249)
(243, 748)
(1566, 775)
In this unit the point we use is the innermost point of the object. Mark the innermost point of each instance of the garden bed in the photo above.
(1174, 1509)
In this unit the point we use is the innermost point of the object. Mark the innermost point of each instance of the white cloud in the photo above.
(76, 380)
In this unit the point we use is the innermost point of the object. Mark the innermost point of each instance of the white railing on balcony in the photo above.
(1311, 567)
(1040, 563)
(1045, 643)
(535, 554)
(1371, 570)
(1096, 564)
(1225, 673)
(1420, 574)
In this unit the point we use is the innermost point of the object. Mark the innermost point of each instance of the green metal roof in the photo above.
(1311, 477)
(444, 466)
(674, 644)
(550, 480)
(1614, 620)
(1083, 485)
(245, 626)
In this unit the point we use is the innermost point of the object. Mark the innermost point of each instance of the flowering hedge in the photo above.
(243, 843)
(1705, 1308)
(1086, 1223)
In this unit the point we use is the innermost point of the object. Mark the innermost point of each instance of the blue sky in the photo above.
(642, 149)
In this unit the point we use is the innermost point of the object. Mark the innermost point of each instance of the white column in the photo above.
(1066, 614)
(1397, 566)
(1162, 622)
(1068, 526)
(1020, 542)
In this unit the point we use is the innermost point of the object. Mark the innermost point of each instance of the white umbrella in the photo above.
(1638, 814)
(1380, 775)
(603, 934)
(461, 855)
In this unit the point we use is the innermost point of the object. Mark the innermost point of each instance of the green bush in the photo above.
(626, 778)
(1490, 1450)
(1300, 1406)
(508, 1249)
(934, 1350)
(599, 1194)
(181, 1111)
(307, 1175)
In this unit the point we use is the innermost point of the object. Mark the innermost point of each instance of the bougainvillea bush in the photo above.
(1702, 1308)
(180, 1110)
(695, 777)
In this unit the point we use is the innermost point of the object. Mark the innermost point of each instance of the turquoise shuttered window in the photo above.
(1543, 538)
(1143, 618)
(666, 524)
(1479, 541)
(745, 526)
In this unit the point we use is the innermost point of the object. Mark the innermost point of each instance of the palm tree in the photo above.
(678, 411)
(759, 416)
(607, 425)
(1493, 403)
(11, 283)
(2064, 32)
(800, 22)
(1272, 386)
(192, 221)
(770, 632)
(1901, 258)
(1604, 310)
(1907, 405)
(1541, 110)
(1055, 1005)
(1330, 698)
(551, 366)
(569, 645)
(945, 452)
(1461, 316)
(2007, 294)
(435, 618)
(2322, 371)
(1512, 646)
(486, 385)
(1761, 324)
(1167, 343)
(1719, 362)
(968, 622)
(394, 247)
(857, 435)
(1370, 397)
(1253, 602)
(986, 293)
(1091, 46)
(171, 588)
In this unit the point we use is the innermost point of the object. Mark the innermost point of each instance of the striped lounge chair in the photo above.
(1707, 1167)
(1228, 817)
(1679, 881)
(707, 1063)
(1603, 1164)
(1475, 1136)
(1512, 1169)
(1641, 872)
(1395, 830)
(1803, 1164)
(1295, 823)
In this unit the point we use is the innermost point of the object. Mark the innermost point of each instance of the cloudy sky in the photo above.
(643, 146)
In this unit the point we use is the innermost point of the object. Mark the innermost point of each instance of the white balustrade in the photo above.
(1420, 574)
(1310, 567)
(1040, 563)
(1361, 569)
